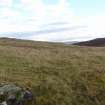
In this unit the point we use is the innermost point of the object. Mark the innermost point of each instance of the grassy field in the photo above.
(58, 74)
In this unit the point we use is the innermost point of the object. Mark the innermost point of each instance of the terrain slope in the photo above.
(58, 74)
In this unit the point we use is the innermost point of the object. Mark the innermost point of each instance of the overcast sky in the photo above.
(52, 20)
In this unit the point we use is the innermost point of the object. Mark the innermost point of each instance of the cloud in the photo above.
(6, 3)
(37, 20)
(42, 13)
(30, 15)
(50, 33)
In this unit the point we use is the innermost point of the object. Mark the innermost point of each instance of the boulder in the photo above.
(9, 88)
(14, 95)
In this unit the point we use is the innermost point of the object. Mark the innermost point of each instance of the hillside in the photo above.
(99, 42)
(58, 74)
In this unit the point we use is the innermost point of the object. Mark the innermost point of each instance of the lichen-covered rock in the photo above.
(13, 95)
(9, 88)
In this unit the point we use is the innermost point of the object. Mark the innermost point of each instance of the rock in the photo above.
(2, 97)
(11, 100)
(9, 88)
(3, 103)
(28, 95)
(13, 95)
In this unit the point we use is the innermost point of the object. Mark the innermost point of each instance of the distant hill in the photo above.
(57, 73)
(70, 42)
(99, 42)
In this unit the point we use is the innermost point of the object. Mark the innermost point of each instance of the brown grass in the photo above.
(58, 74)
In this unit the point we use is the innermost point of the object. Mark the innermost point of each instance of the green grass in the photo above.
(58, 74)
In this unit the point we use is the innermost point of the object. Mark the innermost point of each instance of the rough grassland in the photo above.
(58, 74)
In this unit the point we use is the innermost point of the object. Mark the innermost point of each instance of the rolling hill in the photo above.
(99, 42)
(57, 74)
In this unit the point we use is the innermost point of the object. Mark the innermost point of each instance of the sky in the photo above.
(52, 20)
